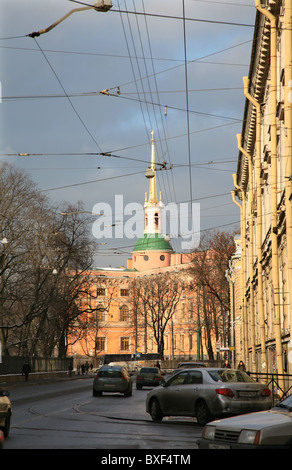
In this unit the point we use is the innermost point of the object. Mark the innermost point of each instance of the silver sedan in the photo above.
(206, 394)
(270, 429)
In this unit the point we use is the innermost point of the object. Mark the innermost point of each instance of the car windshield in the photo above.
(229, 375)
(189, 365)
(287, 403)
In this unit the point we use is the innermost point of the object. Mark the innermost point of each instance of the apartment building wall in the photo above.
(263, 190)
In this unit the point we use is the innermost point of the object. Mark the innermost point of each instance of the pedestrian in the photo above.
(241, 366)
(157, 365)
(83, 369)
(226, 364)
(26, 370)
(70, 368)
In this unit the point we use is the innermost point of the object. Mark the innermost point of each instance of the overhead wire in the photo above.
(156, 15)
(150, 90)
(187, 112)
(68, 98)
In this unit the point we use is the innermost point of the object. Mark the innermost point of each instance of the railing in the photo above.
(13, 364)
(280, 384)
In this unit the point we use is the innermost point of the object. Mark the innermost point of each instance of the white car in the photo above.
(270, 429)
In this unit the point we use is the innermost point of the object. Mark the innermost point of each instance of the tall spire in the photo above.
(152, 186)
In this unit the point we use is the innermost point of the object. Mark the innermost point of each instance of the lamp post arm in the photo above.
(56, 23)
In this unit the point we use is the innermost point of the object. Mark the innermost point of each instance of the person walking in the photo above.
(26, 370)
(70, 368)
(241, 366)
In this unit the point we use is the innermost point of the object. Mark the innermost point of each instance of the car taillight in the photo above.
(266, 392)
(227, 392)
(97, 375)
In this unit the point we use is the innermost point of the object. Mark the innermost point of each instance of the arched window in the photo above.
(124, 313)
(156, 219)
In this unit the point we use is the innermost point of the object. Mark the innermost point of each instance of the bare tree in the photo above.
(208, 269)
(43, 266)
(159, 296)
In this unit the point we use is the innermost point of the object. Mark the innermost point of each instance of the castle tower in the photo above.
(153, 250)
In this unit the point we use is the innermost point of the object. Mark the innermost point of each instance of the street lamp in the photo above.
(99, 5)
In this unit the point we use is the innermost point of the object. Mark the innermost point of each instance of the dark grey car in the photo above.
(148, 376)
(207, 393)
(112, 379)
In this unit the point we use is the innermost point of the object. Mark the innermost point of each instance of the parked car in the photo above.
(112, 379)
(148, 376)
(207, 393)
(270, 429)
(5, 412)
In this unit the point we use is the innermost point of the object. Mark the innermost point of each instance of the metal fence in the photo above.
(14, 364)
(279, 384)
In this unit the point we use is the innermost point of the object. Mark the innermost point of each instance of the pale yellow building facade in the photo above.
(262, 190)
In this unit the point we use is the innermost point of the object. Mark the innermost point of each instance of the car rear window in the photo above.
(147, 370)
(112, 373)
(227, 375)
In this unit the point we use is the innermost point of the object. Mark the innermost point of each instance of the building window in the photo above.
(182, 342)
(124, 292)
(100, 343)
(190, 342)
(191, 309)
(100, 314)
(156, 219)
(124, 313)
(124, 343)
(100, 291)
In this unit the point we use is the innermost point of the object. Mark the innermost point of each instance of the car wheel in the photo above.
(202, 413)
(7, 424)
(155, 410)
(97, 394)
(139, 387)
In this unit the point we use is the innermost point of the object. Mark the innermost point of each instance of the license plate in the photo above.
(218, 446)
(248, 394)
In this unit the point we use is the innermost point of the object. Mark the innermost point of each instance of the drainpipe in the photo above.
(251, 255)
(288, 147)
(259, 223)
(243, 266)
(274, 228)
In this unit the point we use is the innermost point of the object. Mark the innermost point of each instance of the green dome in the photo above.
(152, 242)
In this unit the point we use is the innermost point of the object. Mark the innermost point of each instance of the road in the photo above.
(65, 415)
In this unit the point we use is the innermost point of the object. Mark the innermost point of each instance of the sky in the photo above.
(171, 66)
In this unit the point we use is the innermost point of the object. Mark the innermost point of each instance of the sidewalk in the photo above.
(35, 378)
